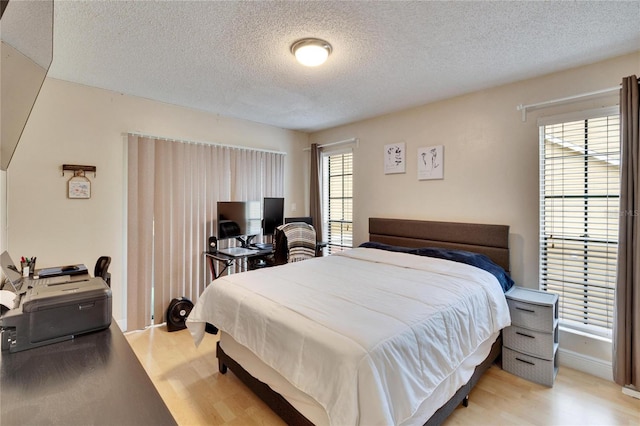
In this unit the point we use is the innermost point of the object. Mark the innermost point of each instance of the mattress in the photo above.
(369, 335)
(316, 414)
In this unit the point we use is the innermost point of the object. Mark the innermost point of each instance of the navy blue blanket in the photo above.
(474, 259)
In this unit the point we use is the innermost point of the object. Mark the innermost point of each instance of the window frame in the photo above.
(591, 329)
(333, 247)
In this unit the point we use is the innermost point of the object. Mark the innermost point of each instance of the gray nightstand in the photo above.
(530, 344)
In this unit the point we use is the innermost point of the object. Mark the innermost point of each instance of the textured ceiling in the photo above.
(232, 58)
(26, 26)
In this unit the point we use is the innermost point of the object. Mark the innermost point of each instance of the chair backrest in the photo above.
(102, 269)
(305, 219)
(299, 240)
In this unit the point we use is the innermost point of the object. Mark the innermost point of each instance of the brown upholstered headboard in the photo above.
(490, 240)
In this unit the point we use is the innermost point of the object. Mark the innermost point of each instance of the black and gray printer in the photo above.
(49, 311)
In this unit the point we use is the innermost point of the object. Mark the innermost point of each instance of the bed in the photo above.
(357, 338)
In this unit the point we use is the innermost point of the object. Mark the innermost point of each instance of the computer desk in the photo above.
(252, 259)
(94, 379)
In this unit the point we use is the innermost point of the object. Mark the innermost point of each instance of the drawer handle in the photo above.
(525, 335)
(526, 310)
(525, 361)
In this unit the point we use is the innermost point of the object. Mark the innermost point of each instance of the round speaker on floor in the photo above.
(210, 328)
(177, 313)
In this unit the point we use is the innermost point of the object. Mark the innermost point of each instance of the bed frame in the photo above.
(490, 240)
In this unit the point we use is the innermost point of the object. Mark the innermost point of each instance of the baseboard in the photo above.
(122, 323)
(586, 364)
(631, 392)
(162, 324)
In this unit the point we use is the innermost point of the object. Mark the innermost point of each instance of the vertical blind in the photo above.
(579, 210)
(337, 190)
(173, 189)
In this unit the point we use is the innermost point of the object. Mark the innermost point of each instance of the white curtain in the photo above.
(173, 189)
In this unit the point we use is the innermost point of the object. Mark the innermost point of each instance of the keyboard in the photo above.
(237, 251)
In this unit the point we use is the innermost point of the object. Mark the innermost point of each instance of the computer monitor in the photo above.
(305, 219)
(238, 219)
(272, 214)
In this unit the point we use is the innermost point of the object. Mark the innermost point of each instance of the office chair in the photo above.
(294, 242)
(101, 269)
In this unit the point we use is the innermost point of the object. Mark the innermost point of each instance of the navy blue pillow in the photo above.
(467, 257)
(388, 247)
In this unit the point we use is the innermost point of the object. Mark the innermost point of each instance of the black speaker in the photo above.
(177, 313)
(213, 245)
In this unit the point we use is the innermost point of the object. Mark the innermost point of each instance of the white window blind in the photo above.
(579, 210)
(337, 190)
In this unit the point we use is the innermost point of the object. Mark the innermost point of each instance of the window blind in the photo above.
(579, 210)
(337, 203)
(173, 189)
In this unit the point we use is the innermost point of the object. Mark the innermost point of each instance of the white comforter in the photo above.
(365, 326)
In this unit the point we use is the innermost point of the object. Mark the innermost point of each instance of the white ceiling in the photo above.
(232, 58)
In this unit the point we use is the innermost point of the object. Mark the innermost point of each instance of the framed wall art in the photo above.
(79, 186)
(394, 158)
(431, 162)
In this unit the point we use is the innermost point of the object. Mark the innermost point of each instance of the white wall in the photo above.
(75, 124)
(490, 167)
(3, 211)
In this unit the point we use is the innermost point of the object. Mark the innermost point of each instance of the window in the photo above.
(579, 208)
(337, 194)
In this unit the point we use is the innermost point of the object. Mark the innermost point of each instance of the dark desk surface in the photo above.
(94, 379)
(229, 260)
(222, 257)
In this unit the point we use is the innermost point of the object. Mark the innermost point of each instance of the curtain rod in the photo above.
(324, 145)
(560, 101)
(144, 135)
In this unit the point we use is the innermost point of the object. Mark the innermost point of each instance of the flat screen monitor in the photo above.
(305, 219)
(238, 219)
(272, 214)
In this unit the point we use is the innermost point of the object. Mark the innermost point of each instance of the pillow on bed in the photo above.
(388, 247)
(474, 259)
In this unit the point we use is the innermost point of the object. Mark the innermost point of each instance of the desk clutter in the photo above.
(28, 265)
(61, 303)
(286, 239)
(62, 270)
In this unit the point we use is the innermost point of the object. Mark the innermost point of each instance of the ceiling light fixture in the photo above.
(311, 52)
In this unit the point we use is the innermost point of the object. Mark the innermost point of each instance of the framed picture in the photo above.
(431, 162)
(394, 161)
(79, 186)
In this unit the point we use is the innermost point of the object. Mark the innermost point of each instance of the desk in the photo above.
(228, 260)
(252, 259)
(94, 379)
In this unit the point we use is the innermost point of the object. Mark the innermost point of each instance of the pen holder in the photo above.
(28, 268)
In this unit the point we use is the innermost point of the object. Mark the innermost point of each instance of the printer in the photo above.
(48, 312)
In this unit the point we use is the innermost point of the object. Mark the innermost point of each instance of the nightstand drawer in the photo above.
(532, 316)
(529, 367)
(536, 343)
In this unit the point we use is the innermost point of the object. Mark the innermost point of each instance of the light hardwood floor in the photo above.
(196, 394)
